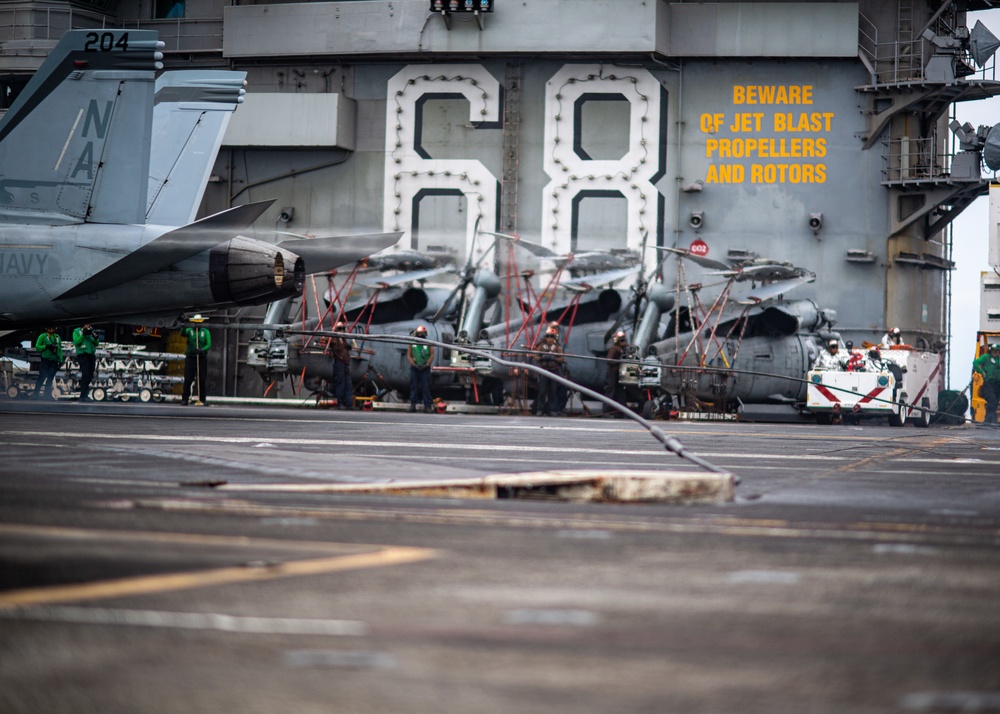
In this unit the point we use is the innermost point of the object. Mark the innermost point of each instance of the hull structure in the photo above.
(736, 127)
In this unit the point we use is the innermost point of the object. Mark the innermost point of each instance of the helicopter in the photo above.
(394, 302)
(577, 303)
(748, 346)
(395, 309)
(689, 352)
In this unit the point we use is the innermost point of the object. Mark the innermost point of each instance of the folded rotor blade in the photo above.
(697, 259)
(621, 318)
(534, 248)
(771, 290)
(591, 281)
(463, 282)
(373, 281)
(770, 271)
(446, 305)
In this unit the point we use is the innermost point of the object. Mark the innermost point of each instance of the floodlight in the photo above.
(460, 6)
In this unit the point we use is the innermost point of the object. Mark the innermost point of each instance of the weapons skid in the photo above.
(121, 372)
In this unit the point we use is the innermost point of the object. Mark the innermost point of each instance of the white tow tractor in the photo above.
(907, 391)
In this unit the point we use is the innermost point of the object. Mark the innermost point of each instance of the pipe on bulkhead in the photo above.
(277, 314)
(659, 301)
(487, 286)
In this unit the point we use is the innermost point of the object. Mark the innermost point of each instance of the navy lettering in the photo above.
(100, 123)
(85, 162)
(22, 263)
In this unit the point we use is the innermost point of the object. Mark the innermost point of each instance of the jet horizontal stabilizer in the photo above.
(323, 254)
(172, 247)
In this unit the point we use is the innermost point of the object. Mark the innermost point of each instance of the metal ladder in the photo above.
(908, 55)
(511, 147)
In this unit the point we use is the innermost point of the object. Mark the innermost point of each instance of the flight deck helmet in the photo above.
(832, 345)
(197, 318)
(339, 327)
(619, 336)
(552, 332)
(421, 331)
(995, 347)
(873, 353)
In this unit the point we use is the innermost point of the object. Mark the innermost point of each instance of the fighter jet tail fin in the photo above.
(74, 146)
(191, 111)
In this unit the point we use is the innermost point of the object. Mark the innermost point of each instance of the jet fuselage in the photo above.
(40, 263)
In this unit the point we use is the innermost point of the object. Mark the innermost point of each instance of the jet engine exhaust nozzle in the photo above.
(250, 272)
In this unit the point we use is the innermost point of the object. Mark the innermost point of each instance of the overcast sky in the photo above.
(971, 234)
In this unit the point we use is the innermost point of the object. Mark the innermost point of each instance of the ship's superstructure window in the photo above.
(168, 9)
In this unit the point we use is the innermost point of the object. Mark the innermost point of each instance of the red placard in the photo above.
(699, 247)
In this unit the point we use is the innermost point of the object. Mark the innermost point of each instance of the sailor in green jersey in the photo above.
(420, 357)
(988, 365)
(50, 346)
(85, 345)
(199, 342)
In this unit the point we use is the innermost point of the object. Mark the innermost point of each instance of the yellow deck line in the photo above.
(130, 536)
(149, 584)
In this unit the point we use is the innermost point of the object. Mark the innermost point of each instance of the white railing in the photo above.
(914, 159)
(47, 23)
(50, 24)
(900, 62)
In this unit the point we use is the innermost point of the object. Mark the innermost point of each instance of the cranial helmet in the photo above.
(552, 332)
(995, 346)
(894, 331)
(874, 353)
(421, 330)
(832, 343)
(339, 326)
(619, 336)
